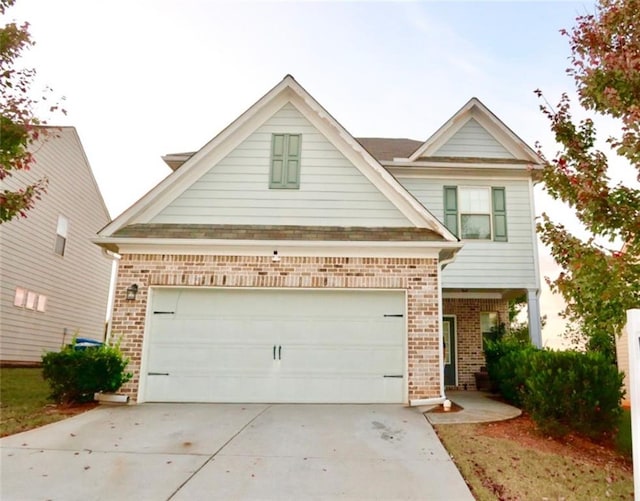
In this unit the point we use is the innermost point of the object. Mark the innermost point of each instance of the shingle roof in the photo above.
(258, 232)
(383, 149)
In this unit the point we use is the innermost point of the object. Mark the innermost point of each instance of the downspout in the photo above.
(442, 397)
(115, 258)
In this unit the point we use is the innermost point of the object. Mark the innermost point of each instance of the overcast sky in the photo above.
(146, 78)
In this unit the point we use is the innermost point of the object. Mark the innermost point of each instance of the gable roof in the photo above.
(474, 109)
(288, 90)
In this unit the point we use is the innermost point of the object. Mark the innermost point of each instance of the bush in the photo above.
(75, 375)
(508, 367)
(569, 390)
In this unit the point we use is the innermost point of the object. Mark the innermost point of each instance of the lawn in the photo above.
(512, 460)
(25, 403)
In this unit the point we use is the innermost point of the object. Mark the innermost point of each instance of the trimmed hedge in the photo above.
(562, 390)
(74, 375)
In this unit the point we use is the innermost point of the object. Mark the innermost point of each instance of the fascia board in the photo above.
(284, 247)
(458, 173)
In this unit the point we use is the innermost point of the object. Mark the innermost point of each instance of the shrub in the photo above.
(75, 375)
(508, 365)
(569, 390)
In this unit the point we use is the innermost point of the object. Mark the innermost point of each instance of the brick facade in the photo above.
(417, 276)
(469, 335)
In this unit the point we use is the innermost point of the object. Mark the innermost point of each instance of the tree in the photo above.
(19, 126)
(598, 283)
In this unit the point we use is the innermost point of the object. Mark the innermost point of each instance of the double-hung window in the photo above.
(62, 231)
(285, 161)
(476, 213)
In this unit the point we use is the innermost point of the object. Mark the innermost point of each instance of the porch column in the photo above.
(535, 329)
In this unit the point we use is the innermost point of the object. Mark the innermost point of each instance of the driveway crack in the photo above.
(210, 458)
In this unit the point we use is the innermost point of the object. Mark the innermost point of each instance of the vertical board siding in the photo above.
(473, 140)
(76, 285)
(482, 263)
(236, 190)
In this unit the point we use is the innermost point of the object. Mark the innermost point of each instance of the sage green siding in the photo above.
(482, 263)
(473, 140)
(236, 190)
(77, 284)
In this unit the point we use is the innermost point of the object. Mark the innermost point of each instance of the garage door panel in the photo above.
(217, 345)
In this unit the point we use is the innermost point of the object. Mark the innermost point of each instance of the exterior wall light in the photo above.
(132, 292)
(275, 258)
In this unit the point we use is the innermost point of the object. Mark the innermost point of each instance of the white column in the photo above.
(633, 380)
(533, 307)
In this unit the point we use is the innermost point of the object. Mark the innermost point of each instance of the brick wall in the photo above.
(469, 335)
(417, 276)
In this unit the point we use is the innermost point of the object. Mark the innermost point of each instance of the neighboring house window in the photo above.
(285, 161)
(20, 297)
(41, 305)
(61, 235)
(489, 325)
(476, 213)
(31, 302)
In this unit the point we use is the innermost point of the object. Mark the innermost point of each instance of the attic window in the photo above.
(285, 161)
(61, 235)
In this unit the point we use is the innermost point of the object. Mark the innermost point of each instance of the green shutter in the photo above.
(499, 214)
(451, 209)
(285, 161)
(292, 176)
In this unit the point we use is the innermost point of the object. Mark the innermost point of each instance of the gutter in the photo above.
(115, 258)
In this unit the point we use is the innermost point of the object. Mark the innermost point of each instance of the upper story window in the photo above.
(61, 235)
(476, 213)
(285, 161)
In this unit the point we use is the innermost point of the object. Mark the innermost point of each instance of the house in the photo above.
(54, 281)
(287, 261)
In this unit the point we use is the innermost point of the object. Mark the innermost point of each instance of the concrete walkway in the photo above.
(191, 452)
(477, 407)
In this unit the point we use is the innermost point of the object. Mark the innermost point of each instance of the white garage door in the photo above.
(231, 345)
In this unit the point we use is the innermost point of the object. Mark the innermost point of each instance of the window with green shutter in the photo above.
(285, 161)
(476, 213)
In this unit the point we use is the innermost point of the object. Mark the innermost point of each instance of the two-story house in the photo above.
(54, 282)
(287, 261)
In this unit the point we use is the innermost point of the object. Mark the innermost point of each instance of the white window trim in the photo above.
(490, 213)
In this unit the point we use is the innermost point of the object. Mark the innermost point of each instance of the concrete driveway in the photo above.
(232, 452)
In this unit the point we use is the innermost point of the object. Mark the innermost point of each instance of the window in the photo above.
(285, 161)
(476, 213)
(30, 304)
(20, 297)
(30, 300)
(489, 325)
(41, 305)
(61, 235)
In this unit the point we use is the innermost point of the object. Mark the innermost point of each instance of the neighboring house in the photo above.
(54, 281)
(287, 261)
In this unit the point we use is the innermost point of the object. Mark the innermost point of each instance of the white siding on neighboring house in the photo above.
(487, 264)
(236, 190)
(473, 140)
(75, 285)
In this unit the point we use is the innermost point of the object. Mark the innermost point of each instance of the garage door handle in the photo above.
(157, 373)
(279, 352)
(274, 351)
(400, 376)
(395, 315)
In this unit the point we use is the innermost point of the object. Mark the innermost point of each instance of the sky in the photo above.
(143, 78)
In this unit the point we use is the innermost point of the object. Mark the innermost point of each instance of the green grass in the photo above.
(24, 401)
(623, 439)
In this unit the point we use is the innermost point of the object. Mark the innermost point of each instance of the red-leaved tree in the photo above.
(598, 282)
(19, 126)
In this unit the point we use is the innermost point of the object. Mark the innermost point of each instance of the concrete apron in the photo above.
(232, 451)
